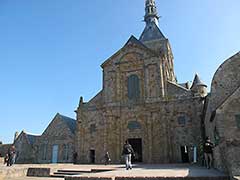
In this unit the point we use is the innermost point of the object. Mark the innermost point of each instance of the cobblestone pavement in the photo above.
(17, 172)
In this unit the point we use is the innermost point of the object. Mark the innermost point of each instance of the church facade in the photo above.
(142, 102)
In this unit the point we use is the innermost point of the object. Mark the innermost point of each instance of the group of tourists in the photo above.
(10, 157)
(128, 152)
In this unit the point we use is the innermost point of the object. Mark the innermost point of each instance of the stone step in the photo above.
(61, 173)
(74, 171)
(146, 178)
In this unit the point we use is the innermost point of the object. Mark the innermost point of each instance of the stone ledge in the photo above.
(146, 178)
(38, 172)
(87, 178)
(173, 178)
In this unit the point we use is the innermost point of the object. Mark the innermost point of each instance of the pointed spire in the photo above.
(151, 14)
(151, 30)
(80, 101)
(197, 82)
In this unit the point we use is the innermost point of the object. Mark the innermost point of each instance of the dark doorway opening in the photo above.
(137, 147)
(92, 156)
(184, 152)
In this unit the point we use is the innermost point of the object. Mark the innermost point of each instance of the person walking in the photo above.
(127, 153)
(208, 152)
(107, 158)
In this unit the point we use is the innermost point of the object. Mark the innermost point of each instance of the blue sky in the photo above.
(51, 50)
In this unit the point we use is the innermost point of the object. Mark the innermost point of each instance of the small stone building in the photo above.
(55, 145)
(25, 150)
(142, 102)
(222, 120)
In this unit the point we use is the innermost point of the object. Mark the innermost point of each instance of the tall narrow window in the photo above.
(237, 117)
(133, 87)
(65, 151)
(44, 151)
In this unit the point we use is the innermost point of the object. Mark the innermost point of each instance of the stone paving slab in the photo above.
(17, 172)
(177, 170)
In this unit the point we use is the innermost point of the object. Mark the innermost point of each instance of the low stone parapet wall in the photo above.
(38, 172)
(146, 178)
(87, 178)
(172, 178)
(11, 172)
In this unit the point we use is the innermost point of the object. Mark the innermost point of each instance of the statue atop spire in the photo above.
(151, 14)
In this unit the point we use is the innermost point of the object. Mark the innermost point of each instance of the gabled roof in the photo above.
(197, 82)
(31, 139)
(131, 40)
(134, 40)
(151, 32)
(71, 123)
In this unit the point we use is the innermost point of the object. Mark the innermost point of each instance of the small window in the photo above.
(92, 128)
(182, 120)
(133, 125)
(237, 117)
(133, 87)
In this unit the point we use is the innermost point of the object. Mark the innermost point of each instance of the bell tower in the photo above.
(153, 38)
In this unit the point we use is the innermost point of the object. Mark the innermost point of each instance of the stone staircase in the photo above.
(61, 173)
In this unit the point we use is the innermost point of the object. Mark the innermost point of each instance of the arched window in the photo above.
(133, 87)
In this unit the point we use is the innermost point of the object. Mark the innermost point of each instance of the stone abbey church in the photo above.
(141, 101)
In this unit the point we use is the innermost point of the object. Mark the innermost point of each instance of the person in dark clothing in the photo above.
(9, 160)
(208, 152)
(11, 156)
(128, 152)
(75, 155)
(107, 158)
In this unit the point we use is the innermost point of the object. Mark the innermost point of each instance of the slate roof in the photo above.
(31, 138)
(71, 123)
(151, 32)
(134, 40)
(185, 85)
(197, 82)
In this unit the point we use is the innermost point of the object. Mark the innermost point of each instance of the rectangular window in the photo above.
(237, 118)
(44, 151)
(65, 151)
(92, 128)
(182, 120)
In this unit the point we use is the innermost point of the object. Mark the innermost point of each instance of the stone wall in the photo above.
(58, 134)
(221, 122)
(165, 118)
(159, 129)
(4, 149)
(24, 150)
